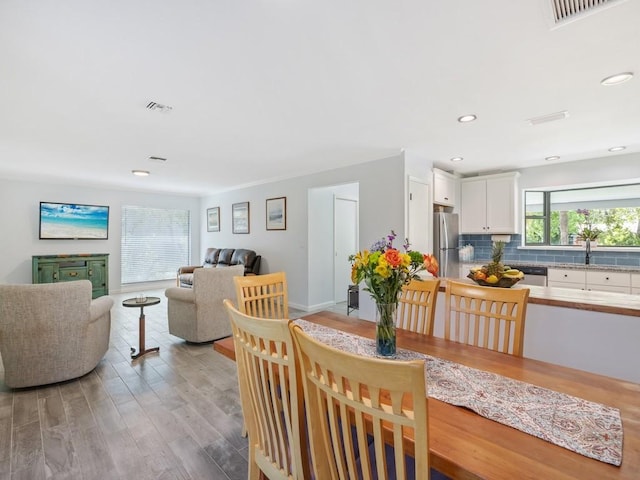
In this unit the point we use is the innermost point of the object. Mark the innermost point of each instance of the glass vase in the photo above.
(386, 328)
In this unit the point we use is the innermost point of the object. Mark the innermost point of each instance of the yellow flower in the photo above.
(362, 258)
(406, 260)
(354, 274)
(383, 271)
(383, 268)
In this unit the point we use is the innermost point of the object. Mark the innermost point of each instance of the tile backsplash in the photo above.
(512, 254)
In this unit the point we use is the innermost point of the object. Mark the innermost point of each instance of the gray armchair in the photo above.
(197, 314)
(51, 332)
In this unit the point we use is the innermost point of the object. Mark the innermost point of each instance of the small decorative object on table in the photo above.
(496, 274)
(385, 270)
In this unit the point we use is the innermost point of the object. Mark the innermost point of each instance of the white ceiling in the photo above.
(267, 89)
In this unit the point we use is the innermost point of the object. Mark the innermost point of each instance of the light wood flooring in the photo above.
(168, 415)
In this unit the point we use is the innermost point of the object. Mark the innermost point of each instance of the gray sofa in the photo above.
(52, 332)
(222, 257)
(197, 314)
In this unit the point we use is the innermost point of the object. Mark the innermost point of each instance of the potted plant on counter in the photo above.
(588, 233)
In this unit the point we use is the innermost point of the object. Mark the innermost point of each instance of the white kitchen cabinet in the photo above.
(444, 188)
(489, 204)
(609, 281)
(567, 278)
(597, 280)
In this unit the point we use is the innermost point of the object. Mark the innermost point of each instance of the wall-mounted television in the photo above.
(73, 221)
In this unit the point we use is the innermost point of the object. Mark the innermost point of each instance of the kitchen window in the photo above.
(609, 215)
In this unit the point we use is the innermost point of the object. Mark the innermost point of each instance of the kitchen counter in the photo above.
(576, 266)
(588, 300)
(589, 330)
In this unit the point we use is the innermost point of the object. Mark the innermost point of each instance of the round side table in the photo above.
(146, 302)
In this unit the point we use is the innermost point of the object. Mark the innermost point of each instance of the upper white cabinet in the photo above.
(489, 204)
(444, 188)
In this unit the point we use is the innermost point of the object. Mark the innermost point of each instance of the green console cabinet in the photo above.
(64, 268)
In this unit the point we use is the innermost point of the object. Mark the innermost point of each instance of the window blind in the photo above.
(155, 242)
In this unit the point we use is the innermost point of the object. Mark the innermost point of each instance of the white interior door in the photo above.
(345, 244)
(419, 216)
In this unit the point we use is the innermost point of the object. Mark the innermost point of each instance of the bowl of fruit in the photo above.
(506, 278)
(496, 274)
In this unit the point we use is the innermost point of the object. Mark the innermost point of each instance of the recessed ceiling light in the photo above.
(552, 158)
(457, 159)
(617, 79)
(141, 173)
(617, 149)
(467, 118)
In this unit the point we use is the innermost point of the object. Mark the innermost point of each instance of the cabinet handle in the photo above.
(446, 198)
(565, 275)
(606, 278)
(90, 272)
(55, 275)
(73, 274)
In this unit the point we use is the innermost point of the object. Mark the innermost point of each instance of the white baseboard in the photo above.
(312, 308)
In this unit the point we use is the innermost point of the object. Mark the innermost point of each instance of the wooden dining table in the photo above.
(465, 445)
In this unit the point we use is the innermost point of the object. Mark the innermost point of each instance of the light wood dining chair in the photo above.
(271, 397)
(359, 410)
(488, 317)
(263, 296)
(417, 306)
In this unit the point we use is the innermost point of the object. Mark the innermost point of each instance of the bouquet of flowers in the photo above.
(385, 270)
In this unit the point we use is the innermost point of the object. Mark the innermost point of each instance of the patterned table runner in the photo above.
(591, 429)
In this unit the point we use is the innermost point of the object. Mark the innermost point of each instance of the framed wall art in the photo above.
(277, 213)
(213, 219)
(240, 217)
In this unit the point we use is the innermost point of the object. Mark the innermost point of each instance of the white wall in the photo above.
(382, 208)
(19, 207)
(321, 241)
(606, 169)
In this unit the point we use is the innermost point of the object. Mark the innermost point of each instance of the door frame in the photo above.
(356, 202)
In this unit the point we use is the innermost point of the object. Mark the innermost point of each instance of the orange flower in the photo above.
(431, 264)
(393, 257)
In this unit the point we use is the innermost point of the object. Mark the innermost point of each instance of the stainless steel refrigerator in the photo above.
(445, 243)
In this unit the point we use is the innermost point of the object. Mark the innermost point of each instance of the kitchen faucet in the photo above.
(587, 251)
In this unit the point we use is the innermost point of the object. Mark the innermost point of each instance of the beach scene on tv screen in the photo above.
(73, 221)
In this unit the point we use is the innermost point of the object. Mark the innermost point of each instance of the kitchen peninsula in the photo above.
(594, 331)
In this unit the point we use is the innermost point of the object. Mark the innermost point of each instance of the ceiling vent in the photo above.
(551, 117)
(159, 107)
(568, 10)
